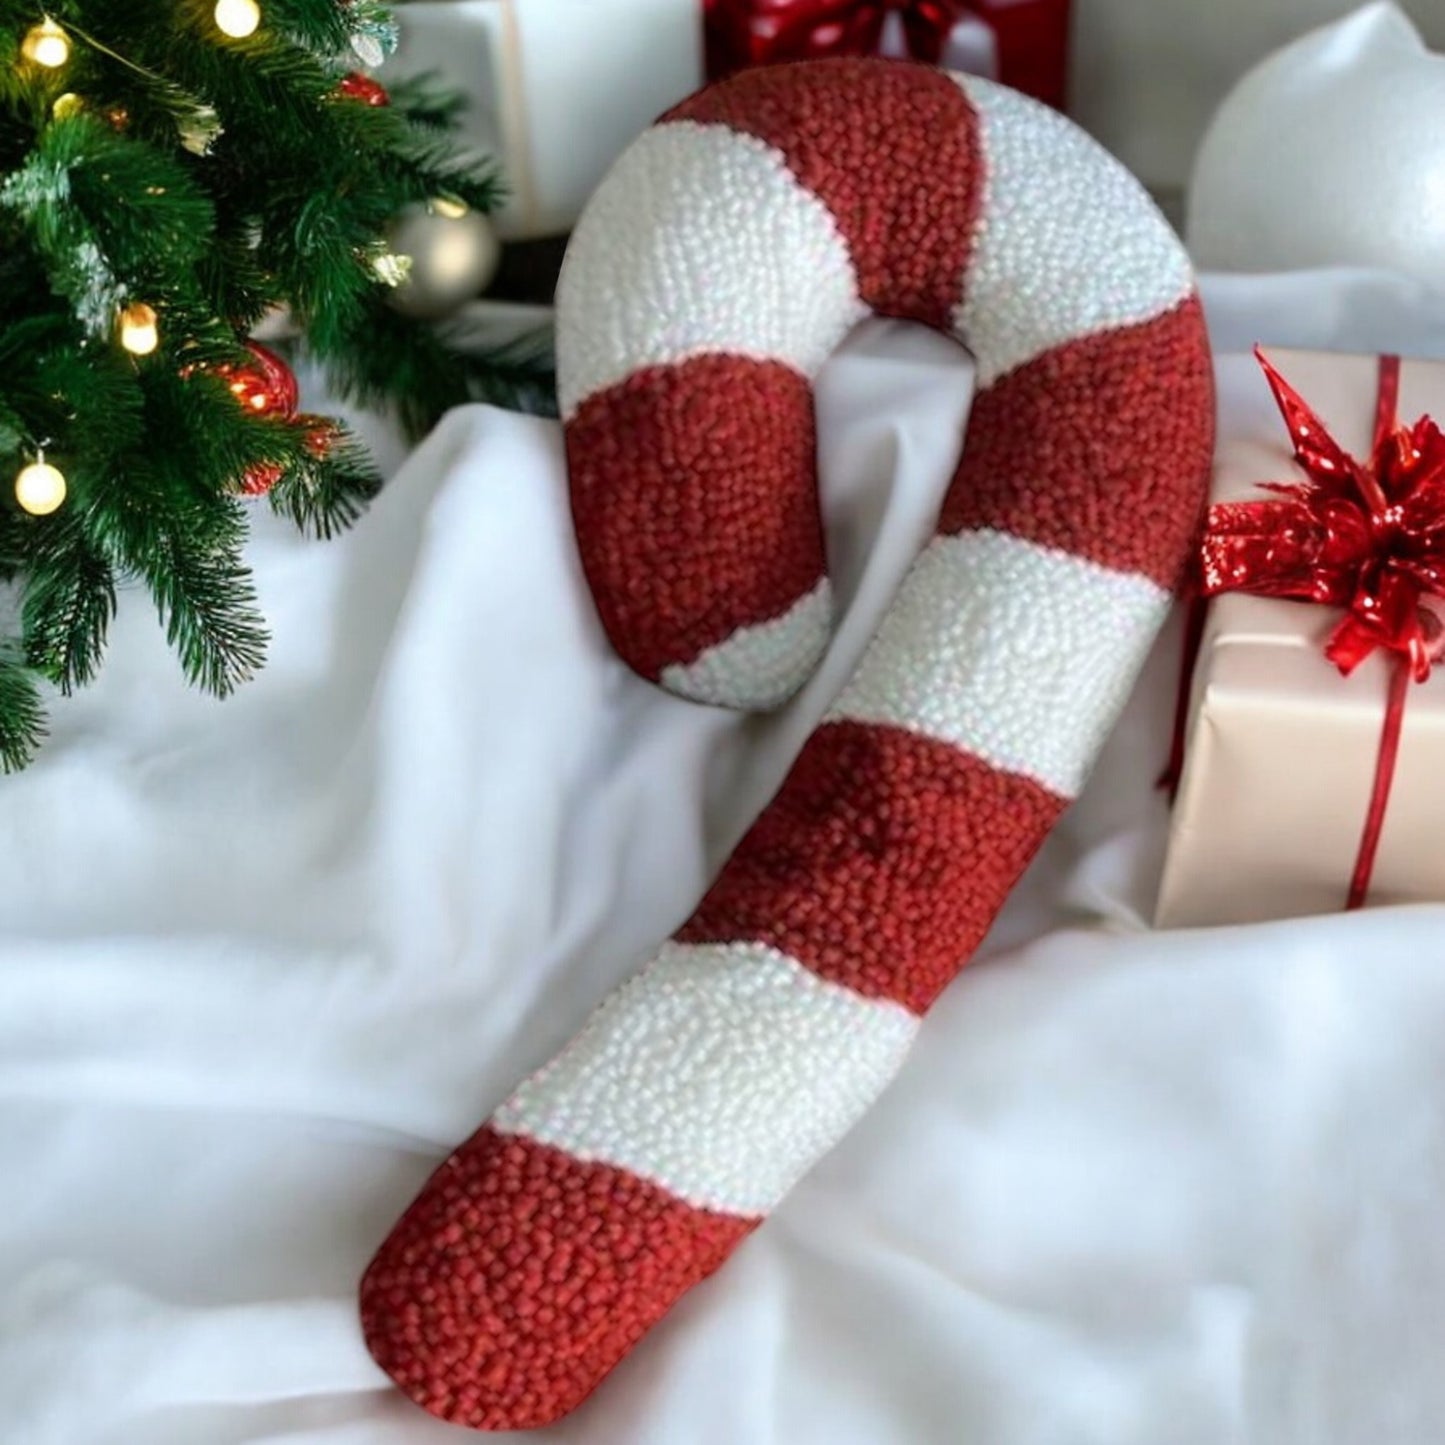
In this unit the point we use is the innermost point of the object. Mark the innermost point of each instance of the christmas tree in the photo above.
(171, 173)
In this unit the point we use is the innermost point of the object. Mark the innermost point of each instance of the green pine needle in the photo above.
(22, 719)
(68, 603)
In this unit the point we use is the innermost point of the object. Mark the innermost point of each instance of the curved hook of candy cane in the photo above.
(718, 266)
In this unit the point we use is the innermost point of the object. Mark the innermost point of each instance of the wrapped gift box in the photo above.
(1023, 43)
(557, 88)
(1281, 748)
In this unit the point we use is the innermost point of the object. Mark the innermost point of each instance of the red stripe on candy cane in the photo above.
(693, 488)
(884, 886)
(1073, 450)
(521, 1276)
(909, 209)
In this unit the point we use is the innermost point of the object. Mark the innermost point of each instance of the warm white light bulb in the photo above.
(139, 329)
(46, 44)
(237, 18)
(40, 488)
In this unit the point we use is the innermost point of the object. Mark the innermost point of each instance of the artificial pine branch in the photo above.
(426, 103)
(411, 374)
(325, 495)
(68, 602)
(166, 185)
(22, 718)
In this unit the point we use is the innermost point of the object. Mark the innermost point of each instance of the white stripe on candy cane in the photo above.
(721, 1072)
(758, 667)
(1068, 242)
(701, 240)
(1019, 654)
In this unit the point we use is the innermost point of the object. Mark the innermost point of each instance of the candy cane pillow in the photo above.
(717, 268)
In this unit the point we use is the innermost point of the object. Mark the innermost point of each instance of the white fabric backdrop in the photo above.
(262, 962)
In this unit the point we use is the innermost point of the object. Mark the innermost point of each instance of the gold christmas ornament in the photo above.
(67, 105)
(139, 329)
(237, 18)
(40, 488)
(46, 44)
(454, 256)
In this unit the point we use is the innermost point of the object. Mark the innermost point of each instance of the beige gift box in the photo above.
(1281, 749)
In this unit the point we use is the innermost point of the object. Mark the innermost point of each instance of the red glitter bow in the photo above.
(1368, 536)
(744, 33)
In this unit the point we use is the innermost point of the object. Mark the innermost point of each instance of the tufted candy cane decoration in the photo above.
(722, 261)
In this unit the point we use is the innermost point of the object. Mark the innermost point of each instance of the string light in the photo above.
(46, 44)
(40, 488)
(237, 18)
(139, 329)
(389, 267)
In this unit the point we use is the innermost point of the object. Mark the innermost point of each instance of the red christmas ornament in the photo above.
(321, 434)
(258, 480)
(357, 86)
(267, 387)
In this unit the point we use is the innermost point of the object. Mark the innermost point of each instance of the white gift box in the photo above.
(555, 88)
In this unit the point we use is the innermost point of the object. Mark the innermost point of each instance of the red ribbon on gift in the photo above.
(1031, 35)
(1366, 536)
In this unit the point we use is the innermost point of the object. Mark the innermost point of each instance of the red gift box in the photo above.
(1023, 43)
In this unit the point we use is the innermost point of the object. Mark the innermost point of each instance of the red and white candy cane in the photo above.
(722, 261)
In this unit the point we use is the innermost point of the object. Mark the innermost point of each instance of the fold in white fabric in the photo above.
(263, 962)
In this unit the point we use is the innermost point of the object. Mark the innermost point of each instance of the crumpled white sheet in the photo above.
(262, 962)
